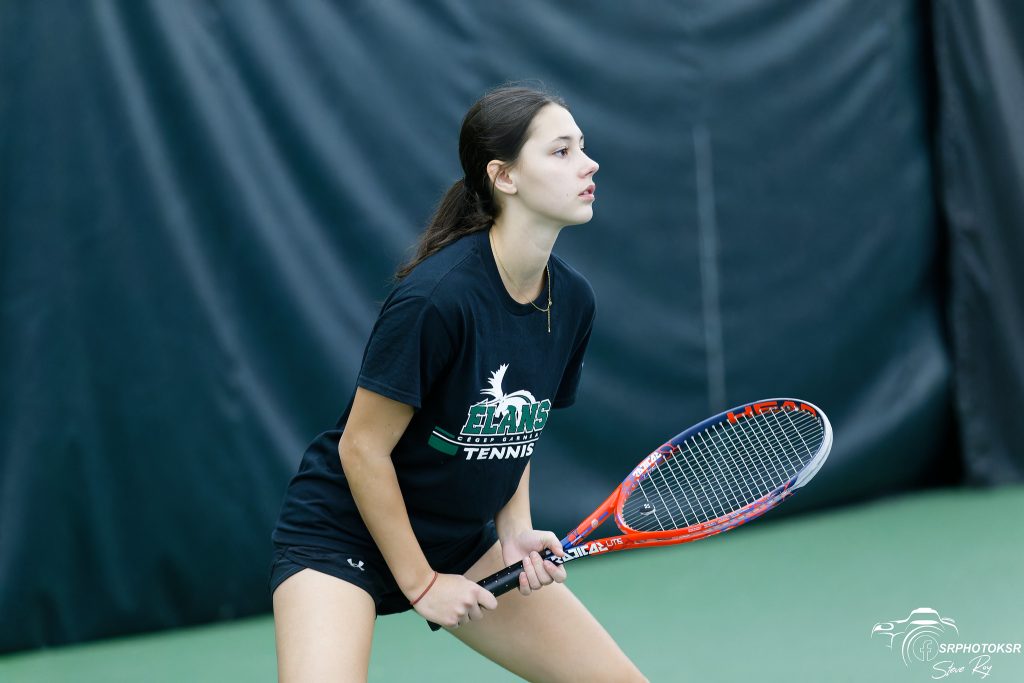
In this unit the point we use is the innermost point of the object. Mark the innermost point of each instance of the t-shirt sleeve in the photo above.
(566, 394)
(408, 350)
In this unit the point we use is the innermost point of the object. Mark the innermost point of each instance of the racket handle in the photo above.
(502, 581)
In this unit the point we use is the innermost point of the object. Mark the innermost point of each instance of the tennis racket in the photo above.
(716, 475)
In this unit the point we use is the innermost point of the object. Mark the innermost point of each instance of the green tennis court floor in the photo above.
(795, 599)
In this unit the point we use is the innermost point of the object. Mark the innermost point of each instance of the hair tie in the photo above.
(425, 590)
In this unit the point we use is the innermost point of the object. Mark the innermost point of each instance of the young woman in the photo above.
(422, 488)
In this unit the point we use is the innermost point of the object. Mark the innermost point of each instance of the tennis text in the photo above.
(499, 452)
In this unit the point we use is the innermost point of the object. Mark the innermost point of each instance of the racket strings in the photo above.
(743, 480)
(724, 468)
(717, 481)
(714, 483)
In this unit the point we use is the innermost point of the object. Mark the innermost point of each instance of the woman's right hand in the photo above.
(454, 600)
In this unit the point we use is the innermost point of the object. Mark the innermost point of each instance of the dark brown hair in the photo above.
(495, 127)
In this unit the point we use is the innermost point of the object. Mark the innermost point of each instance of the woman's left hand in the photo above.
(528, 546)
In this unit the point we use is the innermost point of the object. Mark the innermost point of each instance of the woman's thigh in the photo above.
(546, 636)
(323, 627)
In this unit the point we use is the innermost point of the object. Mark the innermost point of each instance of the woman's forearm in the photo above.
(374, 485)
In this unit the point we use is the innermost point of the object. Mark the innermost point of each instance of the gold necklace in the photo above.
(547, 271)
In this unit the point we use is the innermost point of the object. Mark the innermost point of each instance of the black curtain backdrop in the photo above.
(202, 203)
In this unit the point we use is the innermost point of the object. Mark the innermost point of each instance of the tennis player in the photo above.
(422, 488)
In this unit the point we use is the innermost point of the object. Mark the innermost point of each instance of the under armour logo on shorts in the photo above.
(357, 566)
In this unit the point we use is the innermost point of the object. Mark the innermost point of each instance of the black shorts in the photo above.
(367, 569)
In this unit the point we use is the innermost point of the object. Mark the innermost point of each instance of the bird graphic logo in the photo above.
(501, 400)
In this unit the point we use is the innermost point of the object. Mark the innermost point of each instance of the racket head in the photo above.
(758, 454)
(733, 466)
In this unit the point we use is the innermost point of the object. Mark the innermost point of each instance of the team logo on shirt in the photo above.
(499, 427)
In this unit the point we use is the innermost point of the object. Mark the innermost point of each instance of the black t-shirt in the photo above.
(482, 372)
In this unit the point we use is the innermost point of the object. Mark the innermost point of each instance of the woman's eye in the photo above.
(564, 149)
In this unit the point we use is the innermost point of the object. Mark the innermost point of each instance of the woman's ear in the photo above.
(501, 176)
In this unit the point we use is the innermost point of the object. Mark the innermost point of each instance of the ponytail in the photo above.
(462, 211)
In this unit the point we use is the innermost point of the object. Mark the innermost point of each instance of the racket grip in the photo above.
(502, 581)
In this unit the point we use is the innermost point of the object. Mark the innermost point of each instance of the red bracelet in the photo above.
(425, 590)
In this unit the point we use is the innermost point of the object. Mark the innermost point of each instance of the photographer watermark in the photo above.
(926, 639)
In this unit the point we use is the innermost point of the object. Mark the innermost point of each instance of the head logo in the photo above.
(918, 636)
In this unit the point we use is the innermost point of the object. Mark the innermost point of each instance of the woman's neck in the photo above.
(522, 252)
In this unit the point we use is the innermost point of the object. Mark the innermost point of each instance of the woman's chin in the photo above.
(583, 217)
